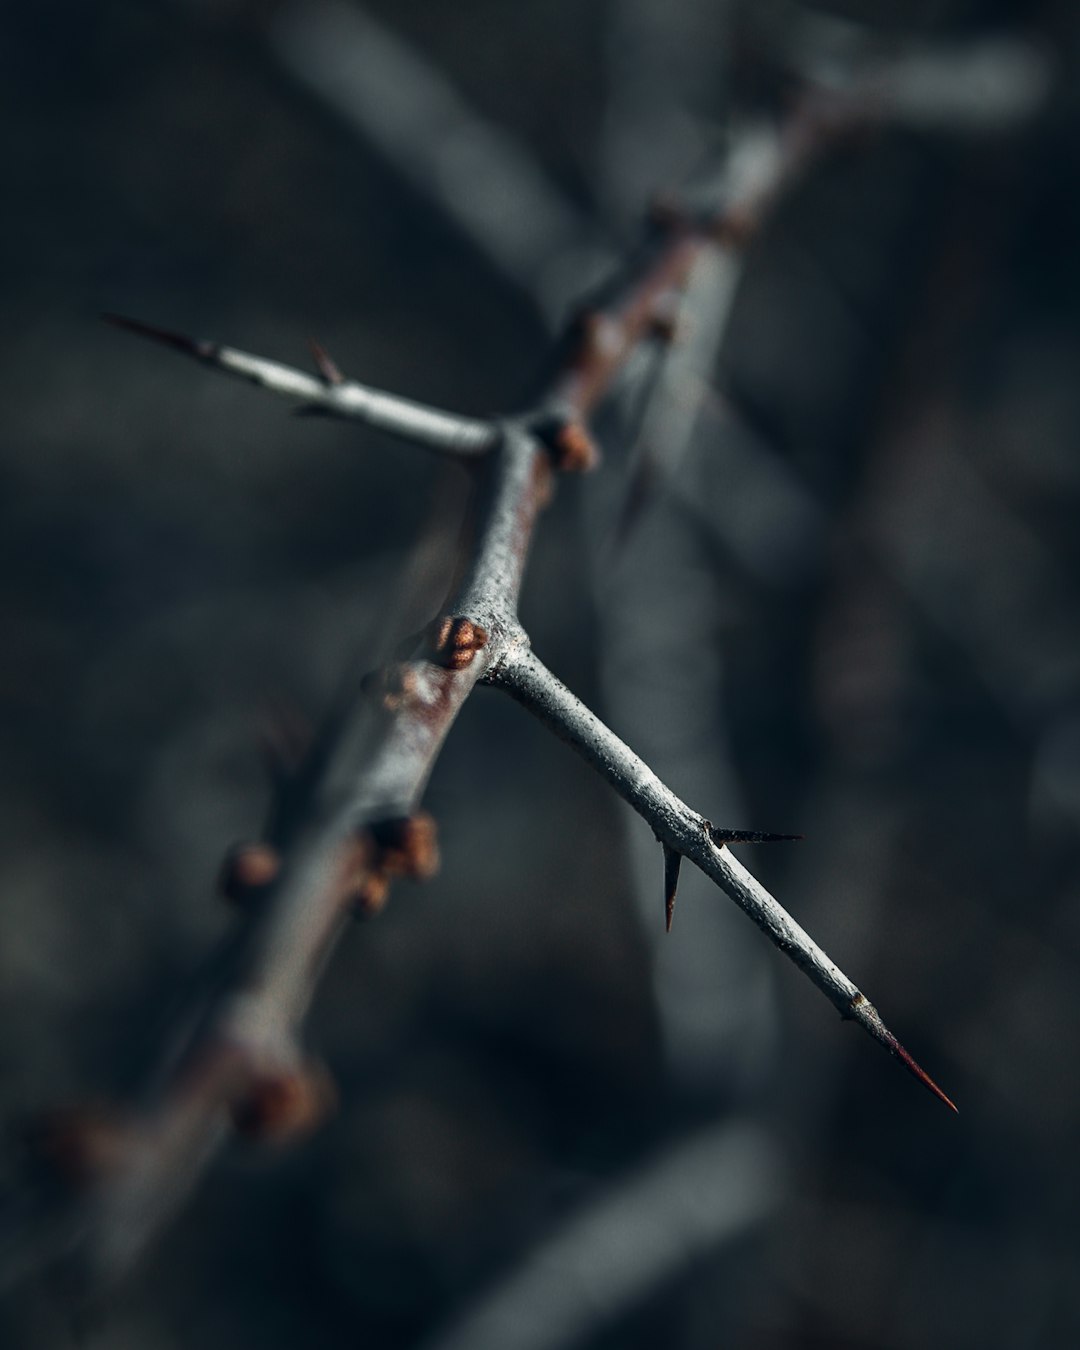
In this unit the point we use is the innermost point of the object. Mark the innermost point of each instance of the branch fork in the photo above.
(348, 822)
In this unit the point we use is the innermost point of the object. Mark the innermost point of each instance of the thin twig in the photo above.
(330, 394)
(682, 830)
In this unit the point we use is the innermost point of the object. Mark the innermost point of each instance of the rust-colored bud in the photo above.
(247, 870)
(363, 883)
(279, 1108)
(408, 846)
(572, 448)
(370, 896)
(456, 640)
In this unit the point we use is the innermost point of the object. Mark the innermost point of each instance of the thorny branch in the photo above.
(348, 821)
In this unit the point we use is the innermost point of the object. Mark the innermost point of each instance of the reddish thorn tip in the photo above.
(918, 1072)
(325, 364)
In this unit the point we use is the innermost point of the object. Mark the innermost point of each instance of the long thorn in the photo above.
(868, 1017)
(672, 863)
(722, 836)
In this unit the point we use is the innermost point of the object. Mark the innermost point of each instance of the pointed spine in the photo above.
(672, 863)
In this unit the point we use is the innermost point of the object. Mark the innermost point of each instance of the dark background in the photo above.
(855, 607)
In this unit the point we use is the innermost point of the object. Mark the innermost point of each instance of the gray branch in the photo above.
(331, 395)
(347, 821)
(682, 830)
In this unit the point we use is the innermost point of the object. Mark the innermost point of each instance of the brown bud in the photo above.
(279, 1108)
(572, 448)
(407, 846)
(456, 640)
(370, 896)
(247, 870)
(365, 880)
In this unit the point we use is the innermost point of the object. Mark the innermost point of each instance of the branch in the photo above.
(348, 821)
(474, 171)
(330, 394)
(683, 831)
(707, 1190)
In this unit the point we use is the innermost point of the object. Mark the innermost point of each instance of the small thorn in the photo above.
(864, 1012)
(325, 364)
(200, 348)
(672, 863)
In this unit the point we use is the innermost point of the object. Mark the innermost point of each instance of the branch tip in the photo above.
(202, 349)
(868, 1017)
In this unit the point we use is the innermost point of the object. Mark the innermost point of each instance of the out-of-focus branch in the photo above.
(624, 1246)
(474, 171)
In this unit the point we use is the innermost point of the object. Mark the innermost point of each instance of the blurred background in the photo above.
(830, 586)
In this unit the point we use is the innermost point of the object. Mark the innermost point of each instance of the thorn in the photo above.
(325, 364)
(868, 1017)
(722, 836)
(200, 348)
(672, 863)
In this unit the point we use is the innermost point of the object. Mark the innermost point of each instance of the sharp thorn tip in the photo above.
(327, 367)
(868, 1017)
(197, 347)
(920, 1073)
